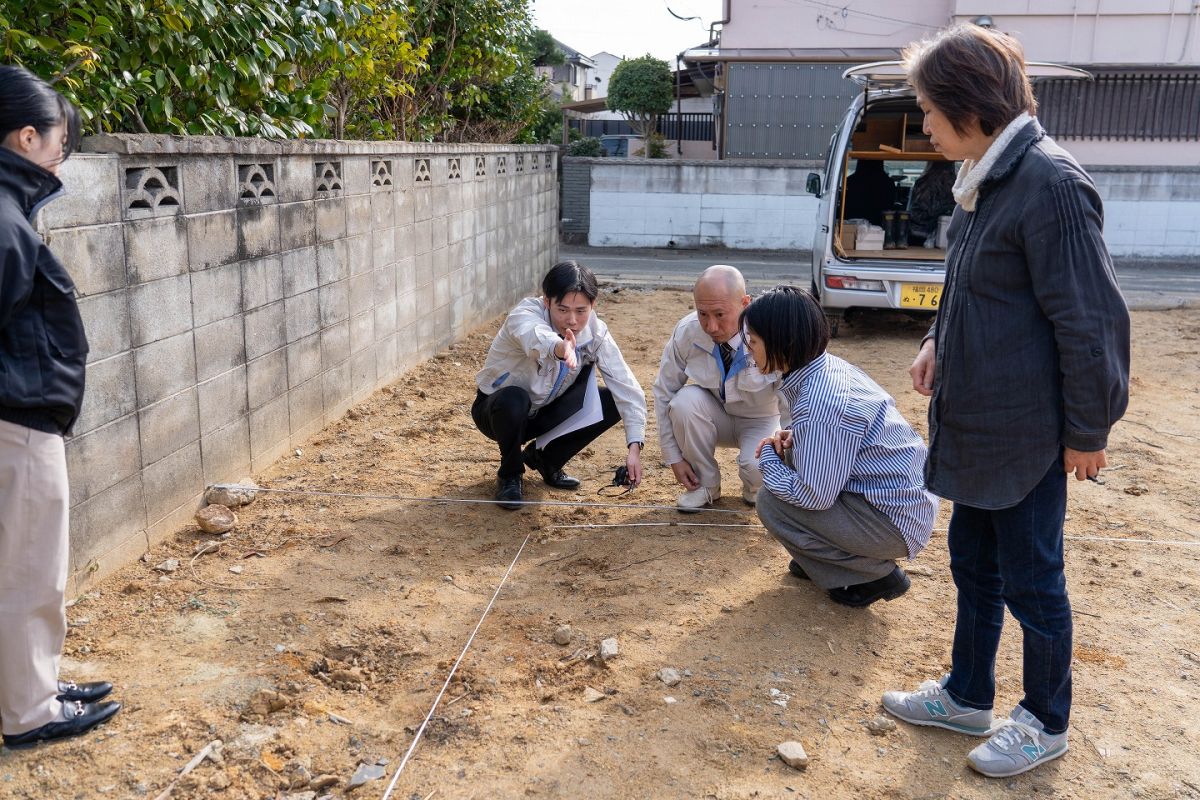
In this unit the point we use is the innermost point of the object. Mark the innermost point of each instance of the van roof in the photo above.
(891, 74)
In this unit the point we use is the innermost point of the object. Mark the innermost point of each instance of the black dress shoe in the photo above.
(85, 692)
(78, 718)
(798, 571)
(861, 595)
(508, 492)
(556, 479)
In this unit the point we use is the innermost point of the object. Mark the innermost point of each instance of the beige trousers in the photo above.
(34, 502)
(701, 425)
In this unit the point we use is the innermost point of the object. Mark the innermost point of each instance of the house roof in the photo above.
(788, 54)
(574, 55)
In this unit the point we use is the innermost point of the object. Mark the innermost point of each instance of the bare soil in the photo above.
(327, 649)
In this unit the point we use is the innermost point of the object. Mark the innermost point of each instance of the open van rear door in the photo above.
(891, 74)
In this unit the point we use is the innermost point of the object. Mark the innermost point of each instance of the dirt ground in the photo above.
(315, 638)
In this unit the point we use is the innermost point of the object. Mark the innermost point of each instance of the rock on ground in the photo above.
(232, 497)
(669, 676)
(609, 649)
(792, 754)
(216, 519)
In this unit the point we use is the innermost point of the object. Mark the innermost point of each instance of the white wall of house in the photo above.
(1069, 31)
(605, 64)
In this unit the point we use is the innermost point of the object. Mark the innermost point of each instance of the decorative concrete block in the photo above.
(109, 527)
(156, 248)
(333, 301)
(362, 331)
(94, 256)
(209, 183)
(164, 368)
(302, 315)
(212, 239)
(305, 406)
(160, 309)
(220, 347)
(102, 458)
(362, 293)
(257, 231)
(109, 394)
(216, 293)
(265, 330)
(335, 345)
(225, 453)
(331, 218)
(172, 481)
(106, 322)
(168, 425)
(303, 360)
(93, 195)
(299, 271)
(269, 428)
(266, 378)
(297, 225)
(262, 282)
(356, 174)
(222, 400)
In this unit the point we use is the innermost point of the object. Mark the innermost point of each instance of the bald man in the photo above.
(708, 393)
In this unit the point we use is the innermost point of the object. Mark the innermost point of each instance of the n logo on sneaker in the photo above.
(935, 708)
(1033, 751)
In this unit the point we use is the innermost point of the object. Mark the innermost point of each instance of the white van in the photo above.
(885, 201)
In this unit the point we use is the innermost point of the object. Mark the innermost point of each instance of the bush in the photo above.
(589, 147)
(656, 146)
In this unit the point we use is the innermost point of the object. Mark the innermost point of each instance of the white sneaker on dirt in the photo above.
(931, 705)
(697, 499)
(1019, 744)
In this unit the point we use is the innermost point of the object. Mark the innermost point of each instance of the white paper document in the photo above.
(589, 414)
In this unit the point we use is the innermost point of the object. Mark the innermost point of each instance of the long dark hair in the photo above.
(26, 99)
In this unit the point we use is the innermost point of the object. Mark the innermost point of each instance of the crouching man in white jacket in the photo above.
(535, 379)
(709, 393)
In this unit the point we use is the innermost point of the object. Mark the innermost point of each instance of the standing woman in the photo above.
(536, 375)
(42, 354)
(1027, 365)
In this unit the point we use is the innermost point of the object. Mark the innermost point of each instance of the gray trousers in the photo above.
(852, 542)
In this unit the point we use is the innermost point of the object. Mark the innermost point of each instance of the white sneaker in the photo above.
(1019, 744)
(697, 499)
(931, 705)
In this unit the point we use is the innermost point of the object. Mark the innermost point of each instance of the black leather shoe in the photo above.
(508, 492)
(80, 718)
(861, 595)
(556, 479)
(798, 571)
(85, 692)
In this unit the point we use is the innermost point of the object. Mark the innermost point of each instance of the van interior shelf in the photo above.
(895, 155)
(910, 254)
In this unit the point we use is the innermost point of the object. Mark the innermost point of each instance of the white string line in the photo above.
(568, 503)
(1131, 541)
(657, 525)
(417, 737)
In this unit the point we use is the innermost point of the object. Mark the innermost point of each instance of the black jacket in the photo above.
(43, 348)
(1032, 335)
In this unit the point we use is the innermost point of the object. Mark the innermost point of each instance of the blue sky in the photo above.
(627, 28)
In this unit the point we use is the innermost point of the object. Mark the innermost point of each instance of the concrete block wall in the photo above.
(1151, 212)
(239, 295)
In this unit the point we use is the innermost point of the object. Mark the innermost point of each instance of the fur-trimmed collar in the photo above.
(973, 174)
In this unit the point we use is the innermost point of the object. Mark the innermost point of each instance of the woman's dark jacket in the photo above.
(43, 348)
(1032, 335)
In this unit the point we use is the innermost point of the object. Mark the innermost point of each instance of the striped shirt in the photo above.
(848, 436)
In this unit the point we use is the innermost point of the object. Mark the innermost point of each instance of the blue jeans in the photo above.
(1014, 557)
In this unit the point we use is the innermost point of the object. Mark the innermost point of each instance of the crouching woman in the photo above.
(537, 378)
(846, 496)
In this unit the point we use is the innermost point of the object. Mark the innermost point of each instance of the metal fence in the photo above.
(1123, 106)
(696, 127)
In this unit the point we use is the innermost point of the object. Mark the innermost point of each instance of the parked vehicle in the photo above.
(623, 145)
(880, 238)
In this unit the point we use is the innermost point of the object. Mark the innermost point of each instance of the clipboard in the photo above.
(582, 401)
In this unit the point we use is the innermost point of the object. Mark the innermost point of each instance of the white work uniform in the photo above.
(699, 407)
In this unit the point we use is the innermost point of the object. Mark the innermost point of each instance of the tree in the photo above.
(640, 89)
(544, 50)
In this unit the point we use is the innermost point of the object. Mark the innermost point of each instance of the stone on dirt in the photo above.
(216, 519)
(881, 726)
(562, 634)
(669, 676)
(792, 754)
(232, 496)
(365, 774)
(590, 695)
(609, 649)
(324, 782)
(170, 565)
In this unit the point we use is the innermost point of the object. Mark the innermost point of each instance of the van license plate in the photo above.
(920, 295)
